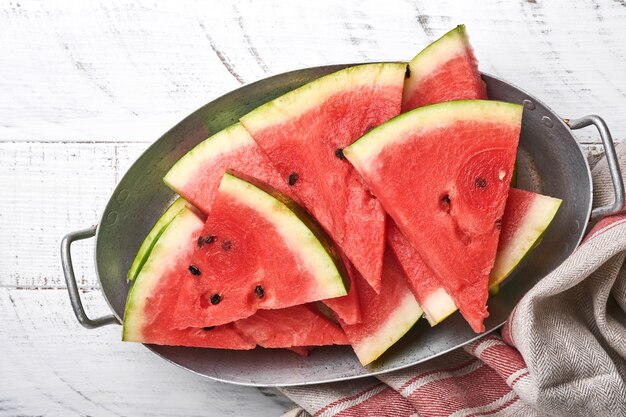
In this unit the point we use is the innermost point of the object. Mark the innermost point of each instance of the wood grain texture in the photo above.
(87, 86)
(130, 70)
(51, 366)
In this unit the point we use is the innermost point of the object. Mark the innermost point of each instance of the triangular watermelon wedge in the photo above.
(526, 217)
(150, 308)
(387, 316)
(430, 294)
(197, 175)
(256, 251)
(301, 325)
(304, 132)
(445, 70)
(451, 165)
(152, 300)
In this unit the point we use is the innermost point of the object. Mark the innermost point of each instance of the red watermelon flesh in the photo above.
(197, 175)
(303, 133)
(254, 252)
(445, 70)
(347, 308)
(301, 325)
(150, 308)
(451, 165)
(387, 316)
(526, 217)
(430, 294)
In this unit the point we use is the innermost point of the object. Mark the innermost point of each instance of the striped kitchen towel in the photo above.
(562, 351)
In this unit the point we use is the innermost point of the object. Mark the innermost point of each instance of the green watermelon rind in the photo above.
(394, 328)
(221, 143)
(306, 218)
(312, 253)
(148, 244)
(453, 43)
(434, 116)
(164, 252)
(531, 230)
(537, 220)
(312, 94)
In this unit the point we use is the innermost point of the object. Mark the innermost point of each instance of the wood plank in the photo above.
(112, 71)
(51, 366)
(50, 189)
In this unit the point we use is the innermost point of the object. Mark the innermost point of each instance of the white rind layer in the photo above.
(173, 243)
(308, 97)
(396, 131)
(397, 324)
(537, 219)
(449, 46)
(438, 306)
(223, 142)
(312, 255)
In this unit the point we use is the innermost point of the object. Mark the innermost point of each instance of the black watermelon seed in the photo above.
(444, 202)
(227, 245)
(407, 73)
(370, 127)
(293, 177)
(259, 291)
(480, 182)
(200, 241)
(499, 224)
(339, 154)
(209, 239)
(194, 270)
(215, 299)
(206, 329)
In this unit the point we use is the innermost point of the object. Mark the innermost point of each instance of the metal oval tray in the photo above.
(549, 162)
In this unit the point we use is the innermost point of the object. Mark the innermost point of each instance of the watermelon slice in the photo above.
(197, 175)
(304, 132)
(300, 325)
(387, 316)
(451, 165)
(526, 218)
(152, 298)
(430, 294)
(153, 236)
(255, 252)
(445, 70)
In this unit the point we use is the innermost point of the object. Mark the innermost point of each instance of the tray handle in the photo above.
(70, 279)
(611, 158)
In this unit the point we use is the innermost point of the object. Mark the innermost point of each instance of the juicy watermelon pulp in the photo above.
(387, 316)
(446, 70)
(254, 252)
(151, 305)
(250, 274)
(304, 133)
(152, 299)
(197, 175)
(462, 155)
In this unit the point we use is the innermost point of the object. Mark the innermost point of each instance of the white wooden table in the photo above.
(85, 87)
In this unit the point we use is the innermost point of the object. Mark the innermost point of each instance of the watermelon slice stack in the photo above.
(326, 194)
